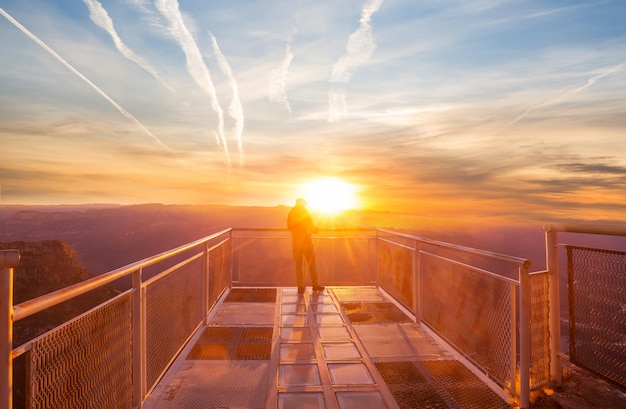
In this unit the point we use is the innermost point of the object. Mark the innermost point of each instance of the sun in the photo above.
(330, 195)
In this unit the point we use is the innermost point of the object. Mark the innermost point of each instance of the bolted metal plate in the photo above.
(399, 341)
(233, 343)
(216, 384)
(348, 294)
(244, 313)
(251, 295)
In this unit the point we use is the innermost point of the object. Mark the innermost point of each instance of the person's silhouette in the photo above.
(300, 223)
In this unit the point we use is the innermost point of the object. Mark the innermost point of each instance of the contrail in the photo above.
(94, 86)
(195, 65)
(278, 80)
(337, 107)
(277, 90)
(566, 93)
(235, 109)
(360, 45)
(359, 48)
(101, 18)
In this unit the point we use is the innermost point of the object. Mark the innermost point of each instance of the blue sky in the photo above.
(513, 109)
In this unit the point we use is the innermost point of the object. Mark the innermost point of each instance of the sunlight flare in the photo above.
(330, 195)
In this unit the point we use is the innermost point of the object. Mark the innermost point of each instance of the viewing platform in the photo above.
(403, 322)
(346, 347)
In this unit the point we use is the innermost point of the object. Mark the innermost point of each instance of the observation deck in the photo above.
(403, 322)
(346, 347)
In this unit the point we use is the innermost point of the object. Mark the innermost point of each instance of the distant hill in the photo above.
(106, 237)
(111, 237)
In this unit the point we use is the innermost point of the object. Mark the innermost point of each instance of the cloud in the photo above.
(195, 64)
(101, 18)
(278, 80)
(91, 84)
(359, 48)
(567, 93)
(235, 109)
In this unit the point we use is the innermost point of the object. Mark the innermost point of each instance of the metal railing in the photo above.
(487, 305)
(480, 302)
(595, 280)
(113, 355)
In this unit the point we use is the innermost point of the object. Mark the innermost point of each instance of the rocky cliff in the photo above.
(47, 266)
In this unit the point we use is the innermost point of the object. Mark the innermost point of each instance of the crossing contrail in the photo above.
(195, 64)
(91, 84)
(101, 18)
(235, 109)
(566, 93)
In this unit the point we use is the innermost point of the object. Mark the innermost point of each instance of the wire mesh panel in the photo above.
(395, 272)
(86, 363)
(597, 316)
(473, 311)
(220, 267)
(173, 312)
(539, 331)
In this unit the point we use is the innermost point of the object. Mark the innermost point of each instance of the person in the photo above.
(300, 223)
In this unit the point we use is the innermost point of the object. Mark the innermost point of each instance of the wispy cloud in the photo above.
(101, 18)
(91, 84)
(280, 74)
(278, 79)
(235, 109)
(359, 48)
(195, 64)
(567, 93)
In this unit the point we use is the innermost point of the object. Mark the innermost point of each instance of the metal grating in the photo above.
(86, 362)
(409, 387)
(364, 313)
(597, 317)
(465, 387)
(437, 384)
(233, 343)
(251, 295)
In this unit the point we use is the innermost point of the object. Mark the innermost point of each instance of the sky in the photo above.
(487, 109)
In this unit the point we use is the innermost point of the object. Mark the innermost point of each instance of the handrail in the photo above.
(30, 307)
(493, 255)
(585, 228)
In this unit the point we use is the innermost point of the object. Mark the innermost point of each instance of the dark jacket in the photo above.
(300, 223)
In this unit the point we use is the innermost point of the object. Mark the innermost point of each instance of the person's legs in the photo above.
(297, 257)
(309, 253)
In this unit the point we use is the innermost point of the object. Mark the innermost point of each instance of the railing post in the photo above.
(524, 336)
(514, 306)
(417, 274)
(9, 259)
(205, 283)
(554, 303)
(139, 340)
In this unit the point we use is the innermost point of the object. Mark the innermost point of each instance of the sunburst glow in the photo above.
(330, 195)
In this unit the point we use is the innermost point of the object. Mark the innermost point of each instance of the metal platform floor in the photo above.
(343, 348)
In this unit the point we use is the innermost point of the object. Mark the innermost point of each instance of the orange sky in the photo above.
(447, 111)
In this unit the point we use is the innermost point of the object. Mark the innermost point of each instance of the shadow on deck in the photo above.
(346, 347)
